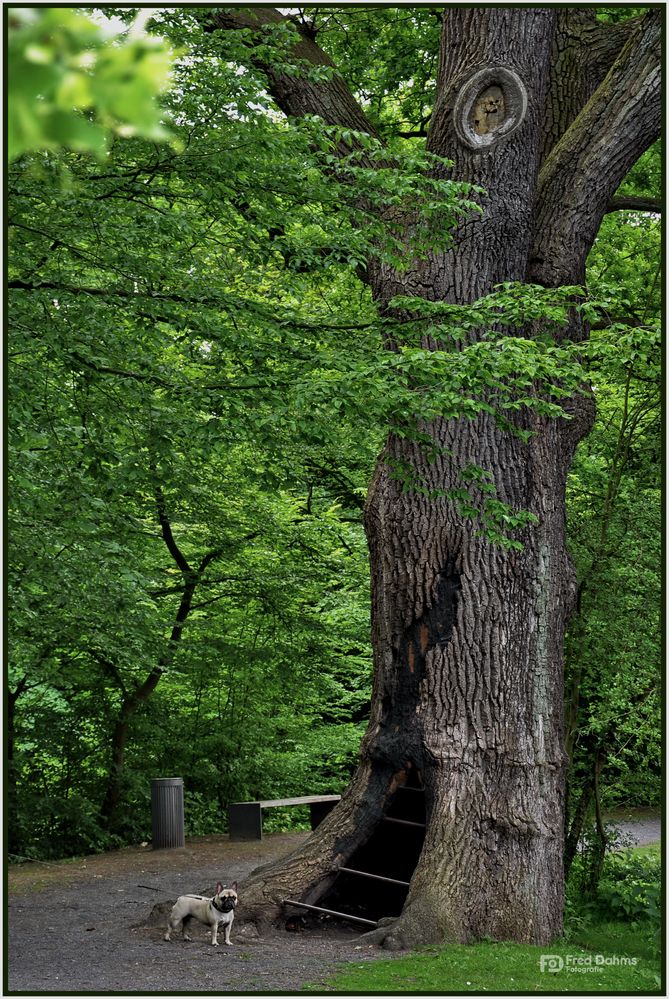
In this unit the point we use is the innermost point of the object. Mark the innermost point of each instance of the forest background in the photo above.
(197, 395)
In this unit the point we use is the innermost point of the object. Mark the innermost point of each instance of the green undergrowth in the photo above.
(652, 850)
(606, 958)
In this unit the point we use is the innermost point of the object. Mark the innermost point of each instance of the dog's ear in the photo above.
(219, 887)
(234, 886)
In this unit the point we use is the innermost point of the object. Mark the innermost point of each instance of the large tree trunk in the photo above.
(467, 635)
(468, 641)
(467, 693)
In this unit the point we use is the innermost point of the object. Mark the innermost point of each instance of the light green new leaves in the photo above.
(72, 86)
(496, 372)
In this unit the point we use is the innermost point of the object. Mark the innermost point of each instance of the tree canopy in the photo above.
(199, 385)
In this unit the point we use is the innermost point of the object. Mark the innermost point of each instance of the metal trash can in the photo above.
(167, 813)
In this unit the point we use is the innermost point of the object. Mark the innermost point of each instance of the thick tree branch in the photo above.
(330, 99)
(110, 668)
(628, 203)
(296, 95)
(191, 583)
(579, 178)
(209, 557)
(136, 376)
(168, 537)
(21, 687)
(17, 284)
(584, 49)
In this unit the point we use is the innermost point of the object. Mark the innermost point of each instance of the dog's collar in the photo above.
(219, 908)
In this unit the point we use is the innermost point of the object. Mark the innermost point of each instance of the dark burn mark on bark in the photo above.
(397, 742)
(432, 630)
(435, 627)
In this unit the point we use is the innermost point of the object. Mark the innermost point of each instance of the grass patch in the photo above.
(653, 850)
(506, 967)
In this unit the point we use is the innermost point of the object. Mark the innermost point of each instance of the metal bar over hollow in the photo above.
(331, 912)
(404, 822)
(377, 877)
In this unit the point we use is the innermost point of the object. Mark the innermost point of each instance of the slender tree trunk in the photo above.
(11, 776)
(468, 637)
(119, 741)
(133, 699)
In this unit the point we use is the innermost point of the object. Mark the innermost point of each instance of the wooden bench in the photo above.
(245, 817)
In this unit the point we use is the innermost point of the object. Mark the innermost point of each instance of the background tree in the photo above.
(613, 507)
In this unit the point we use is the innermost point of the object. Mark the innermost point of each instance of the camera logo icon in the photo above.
(551, 963)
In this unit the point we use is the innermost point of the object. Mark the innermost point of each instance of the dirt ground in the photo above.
(85, 925)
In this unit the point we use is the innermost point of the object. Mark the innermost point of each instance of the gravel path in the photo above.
(636, 828)
(95, 935)
(85, 926)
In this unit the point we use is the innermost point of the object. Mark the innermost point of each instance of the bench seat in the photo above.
(245, 817)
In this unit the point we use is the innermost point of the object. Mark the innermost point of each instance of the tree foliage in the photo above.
(65, 68)
(198, 391)
(613, 689)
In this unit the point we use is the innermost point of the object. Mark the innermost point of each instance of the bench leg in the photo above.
(245, 821)
(319, 809)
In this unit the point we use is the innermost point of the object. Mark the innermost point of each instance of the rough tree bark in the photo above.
(547, 110)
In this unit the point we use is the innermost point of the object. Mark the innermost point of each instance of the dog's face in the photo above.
(225, 899)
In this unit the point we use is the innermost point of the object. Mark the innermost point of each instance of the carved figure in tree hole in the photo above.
(488, 111)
